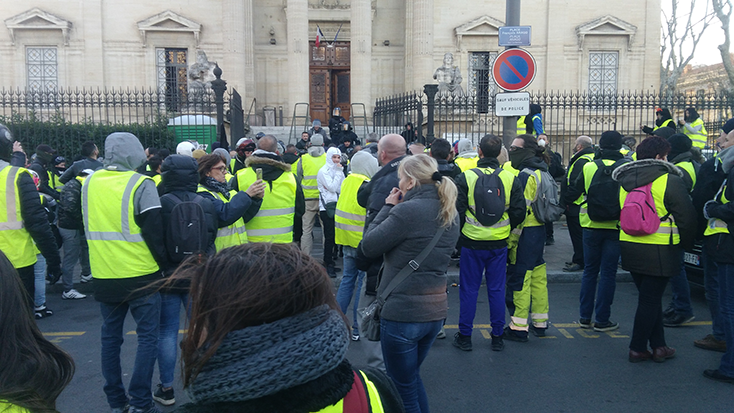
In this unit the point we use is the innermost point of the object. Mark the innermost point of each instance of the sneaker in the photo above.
(550, 241)
(512, 335)
(72, 295)
(331, 271)
(538, 332)
(441, 334)
(462, 342)
(497, 343)
(164, 397)
(718, 376)
(677, 320)
(670, 311)
(86, 278)
(124, 409)
(355, 335)
(585, 323)
(42, 312)
(608, 326)
(150, 409)
(573, 268)
(711, 343)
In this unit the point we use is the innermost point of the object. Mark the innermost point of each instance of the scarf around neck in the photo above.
(216, 186)
(262, 360)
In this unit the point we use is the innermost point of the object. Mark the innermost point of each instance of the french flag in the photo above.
(319, 35)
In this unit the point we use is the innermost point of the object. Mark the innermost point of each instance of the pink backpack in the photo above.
(639, 216)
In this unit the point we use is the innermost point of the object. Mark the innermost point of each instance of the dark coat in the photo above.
(708, 181)
(720, 246)
(42, 168)
(575, 165)
(446, 168)
(658, 260)
(78, 166)
(70, 206)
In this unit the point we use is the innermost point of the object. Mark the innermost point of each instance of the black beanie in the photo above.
(45, 153)
(664, 132)
(611, 140)
(679, 143)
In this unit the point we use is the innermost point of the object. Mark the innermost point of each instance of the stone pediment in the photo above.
(482, 26)
(606, 26)
(37, 19)
(169, 21)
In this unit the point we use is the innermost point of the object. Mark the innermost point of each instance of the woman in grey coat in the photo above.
(413, 313)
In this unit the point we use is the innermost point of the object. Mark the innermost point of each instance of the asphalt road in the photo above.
(571, 370)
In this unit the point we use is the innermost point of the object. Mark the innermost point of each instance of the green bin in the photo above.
(199, 128)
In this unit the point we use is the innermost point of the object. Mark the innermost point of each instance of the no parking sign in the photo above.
(514, 69)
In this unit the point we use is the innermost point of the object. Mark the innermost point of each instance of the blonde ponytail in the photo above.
(421, 168)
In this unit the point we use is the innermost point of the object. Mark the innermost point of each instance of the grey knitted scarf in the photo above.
(262, 360)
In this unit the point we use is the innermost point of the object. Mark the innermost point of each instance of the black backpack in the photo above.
(186, 233)
(489, 197)
(602, 198)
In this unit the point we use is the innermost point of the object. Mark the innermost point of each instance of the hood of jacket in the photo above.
(534, 162)
(726, 159)
(271, 164)
(686, 156)
(329, 163)
(640, 173)
(180, 173)
(364, 163)
(123, 152)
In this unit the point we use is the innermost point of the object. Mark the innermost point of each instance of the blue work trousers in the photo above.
(474, 265)
(726, 305)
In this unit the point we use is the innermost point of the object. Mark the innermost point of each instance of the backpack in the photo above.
(186, 233)
(489, 197)
(602, 197)
(546, 206)
(639, 216)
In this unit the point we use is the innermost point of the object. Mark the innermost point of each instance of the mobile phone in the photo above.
(400, 196)
(259, 173)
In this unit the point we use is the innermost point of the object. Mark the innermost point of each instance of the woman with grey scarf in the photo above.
(266, 335)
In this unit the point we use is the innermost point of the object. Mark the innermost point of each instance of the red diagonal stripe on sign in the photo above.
(511, 67)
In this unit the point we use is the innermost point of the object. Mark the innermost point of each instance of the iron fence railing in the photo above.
(566, 115)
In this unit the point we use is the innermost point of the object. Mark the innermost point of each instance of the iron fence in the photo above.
(65, 118)
(566, 115)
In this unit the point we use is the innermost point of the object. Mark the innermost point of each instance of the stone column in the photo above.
(237, 31)
(422, 55)
(298, 49)
(94, 71)
(361, 53)
(409, 46)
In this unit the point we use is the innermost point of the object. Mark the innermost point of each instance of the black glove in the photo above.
(54, 274)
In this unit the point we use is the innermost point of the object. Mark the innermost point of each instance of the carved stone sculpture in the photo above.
(200, 73)
(449, 77)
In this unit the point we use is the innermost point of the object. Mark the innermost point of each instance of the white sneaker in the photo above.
(86, 278)
(72, 295)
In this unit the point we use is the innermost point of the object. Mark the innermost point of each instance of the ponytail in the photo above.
(424, 171)
(447, 194)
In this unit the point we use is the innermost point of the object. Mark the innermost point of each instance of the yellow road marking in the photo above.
(565, 333)
(548, 337)
(65, 333)
(614, 334)
(486, 334)
(586, 334)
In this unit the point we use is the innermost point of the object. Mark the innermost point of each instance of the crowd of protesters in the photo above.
(156, 232)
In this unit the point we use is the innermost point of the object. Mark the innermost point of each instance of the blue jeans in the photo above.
(352, 277)
(681, 291)
(75, 250)
(168, 335)
(146, 313)
(475, 265)
(39, 272)
(601, 255)
(404, 347)
(726, 305)
(711, 286)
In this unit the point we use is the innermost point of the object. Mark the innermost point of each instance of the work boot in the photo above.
(512, 335)
(462, 342)
(497, 343)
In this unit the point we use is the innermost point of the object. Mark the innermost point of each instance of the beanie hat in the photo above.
(317, 140)
(464, 145)
(664, 132)
(317, 123)
(198, 153)
(679, 143)
(611, 140)
(728, 126)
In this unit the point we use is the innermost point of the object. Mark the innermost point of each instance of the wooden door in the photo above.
(320, 95)
(340, 95)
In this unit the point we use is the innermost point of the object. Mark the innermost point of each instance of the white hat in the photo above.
(185, 148)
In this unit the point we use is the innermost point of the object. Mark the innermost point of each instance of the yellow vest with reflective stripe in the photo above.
(53, 181)
(667, 234)
(718, 226)
(472, 228)
(590, 158)
(15, 241)
(349, 217)
(466, 163)
(375, 403)
(274, 221)
(507, 166)
(229, 236)
(309, 167)
(668, 123)
(589, 171)
(688, 167)
(697, 139)
(6, 407)
(116, 245)
(522, 129)
(157, 178)
(531, 193)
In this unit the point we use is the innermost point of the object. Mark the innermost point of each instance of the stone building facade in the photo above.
(266, 47)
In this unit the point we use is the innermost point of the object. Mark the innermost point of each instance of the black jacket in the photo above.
(446, 168)
(41, 168)
(78, 166)
(556, 165)
(708, 181)
(650, 259)
(578, 186)
(70, 206)
(575, 165)
(516, 211)
(240, 205)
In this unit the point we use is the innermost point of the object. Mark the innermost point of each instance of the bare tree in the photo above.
(723, 9)
(677, 36)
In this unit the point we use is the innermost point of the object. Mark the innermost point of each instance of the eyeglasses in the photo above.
(221, 169)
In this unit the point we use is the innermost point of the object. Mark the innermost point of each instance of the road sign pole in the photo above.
(509, 123)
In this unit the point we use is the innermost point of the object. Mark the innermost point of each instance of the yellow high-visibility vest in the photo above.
(6, 407)
(531, 193)
(667, 234)
(15, 241)
(590, 169)
(157, 179)
(668, 123)
(274, 221)
(715, 225)
(590, 158)
(308, 167)
(116, 245)
(350, 216)
(700, 139)
(466, 163)
(690, 170)
(507, 166)
(229, 236)
(473, 229)
(53, 181)
(373, 396)
(522, 129)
